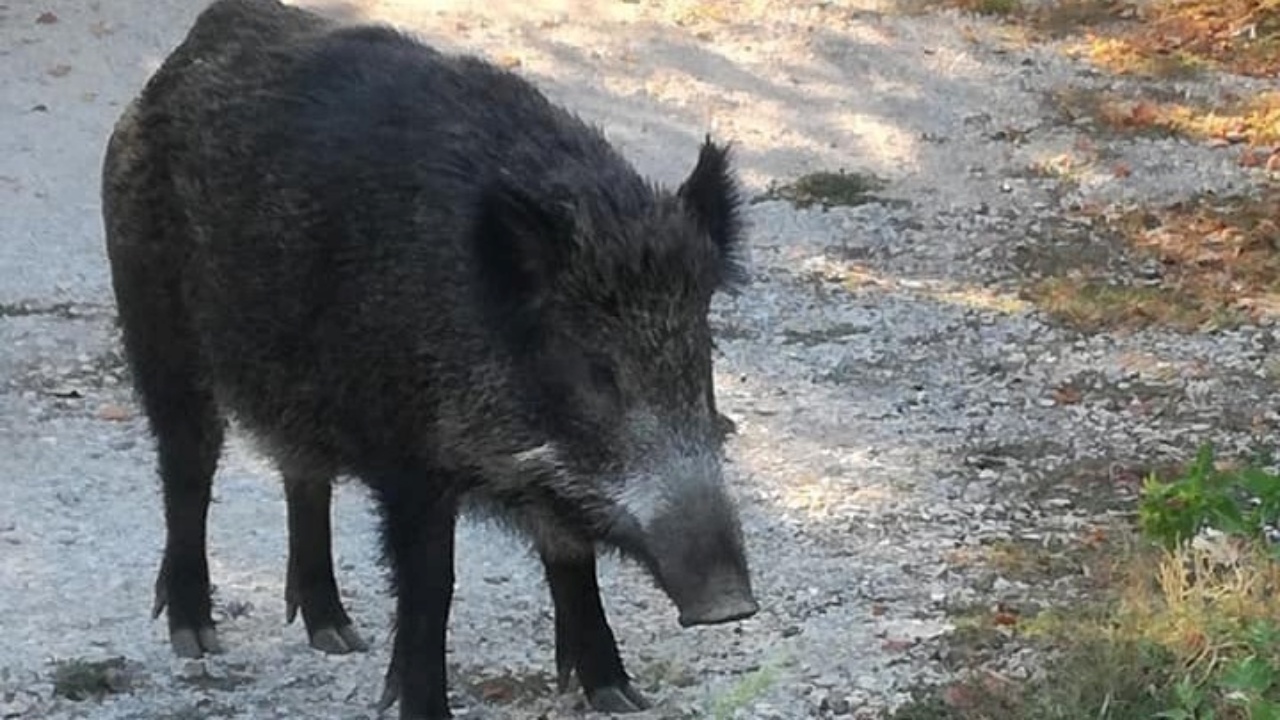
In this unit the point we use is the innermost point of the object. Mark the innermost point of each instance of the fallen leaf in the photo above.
(1067, 395)
(495, 690)
(879, 609)
(1121, 170)
(59, 70)
(46, 18)
(1143, 113)
(509, 61)
(1250, 158)
(896, 646)
(114, 413)
(1273, 162)
(959, 696)
(1005, 618)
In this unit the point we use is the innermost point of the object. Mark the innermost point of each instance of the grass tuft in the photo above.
(80, 679)
(828, 189)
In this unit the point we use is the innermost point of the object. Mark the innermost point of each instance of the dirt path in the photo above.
(899, 394)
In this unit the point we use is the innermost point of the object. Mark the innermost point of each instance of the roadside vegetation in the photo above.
(1180, 623)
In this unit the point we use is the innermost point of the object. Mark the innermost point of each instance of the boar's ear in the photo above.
(520, 244)
(711, 195)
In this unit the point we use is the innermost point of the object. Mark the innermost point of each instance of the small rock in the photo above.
(835, 704)
(193, 670)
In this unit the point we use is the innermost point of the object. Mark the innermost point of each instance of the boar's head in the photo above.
(601, 300)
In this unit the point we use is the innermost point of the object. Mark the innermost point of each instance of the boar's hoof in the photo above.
(390, 694)
(725, 425)
(617, 699)
(189, 643)
(338, 641)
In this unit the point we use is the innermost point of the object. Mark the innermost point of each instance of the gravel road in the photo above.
(895, 401)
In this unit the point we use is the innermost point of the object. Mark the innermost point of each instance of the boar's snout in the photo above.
(723, 598)
(679, 521)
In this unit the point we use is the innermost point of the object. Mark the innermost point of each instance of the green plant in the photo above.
(745, 691)
(1190, 699)
(79, 679)
(1239, 501)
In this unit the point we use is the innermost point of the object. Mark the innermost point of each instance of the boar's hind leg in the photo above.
(169, 376)
(188, 432)
(418, 529)
(310, 584)
(584, 641)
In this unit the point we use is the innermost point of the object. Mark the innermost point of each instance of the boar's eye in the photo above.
(604, 378)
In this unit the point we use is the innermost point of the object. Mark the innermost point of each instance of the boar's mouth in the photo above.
(725, 599)
(703, 594)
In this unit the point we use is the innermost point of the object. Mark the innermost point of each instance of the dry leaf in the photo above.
(509, 61)
(1273, 162)
(1004, 617)
(46, 18)
(59, 70)
(1121, 170)
(1144, 113)
(959, 696)
(114, 413)
(896, 646)
(1251, 158)
(1067, 395)
(1095, 537)
(496, 690)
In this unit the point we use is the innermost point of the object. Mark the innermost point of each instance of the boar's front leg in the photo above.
(584, 641)
(310, 585)
(419, 523)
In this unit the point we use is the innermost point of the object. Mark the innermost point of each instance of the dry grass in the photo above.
(988, 7)
(1201, 600)
(1254, 120)
(1239, 36)
(1094, 305)
(1164, 38)
(1165, 640)
(1218, 262)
